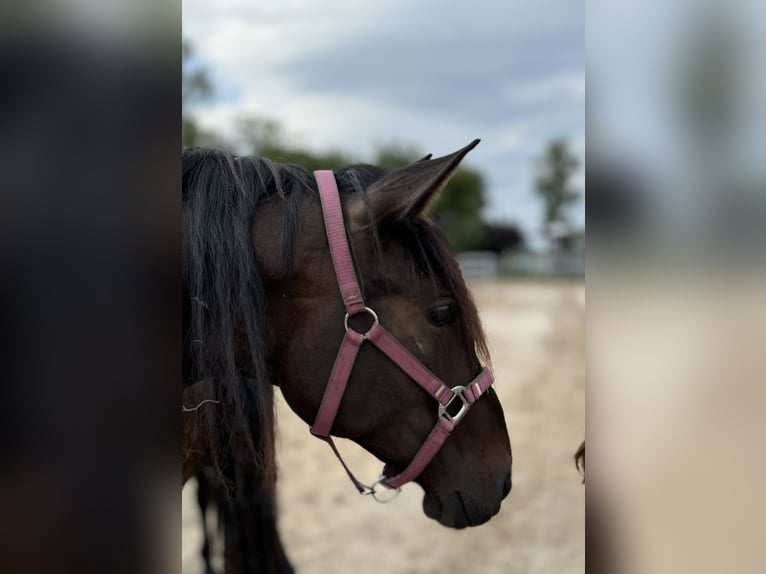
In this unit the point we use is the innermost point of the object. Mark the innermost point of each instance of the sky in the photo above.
(432, 74)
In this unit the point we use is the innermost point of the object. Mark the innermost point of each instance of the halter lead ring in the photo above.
(369, 311)
(388, 345)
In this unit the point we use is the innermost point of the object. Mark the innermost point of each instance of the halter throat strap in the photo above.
(390, 346)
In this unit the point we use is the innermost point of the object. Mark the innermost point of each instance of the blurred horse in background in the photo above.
(579, 458)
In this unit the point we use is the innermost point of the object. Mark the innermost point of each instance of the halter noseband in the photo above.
(386, 343)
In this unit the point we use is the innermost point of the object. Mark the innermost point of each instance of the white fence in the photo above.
(554, 264)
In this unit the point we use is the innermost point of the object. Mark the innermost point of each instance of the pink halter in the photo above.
(385, 342)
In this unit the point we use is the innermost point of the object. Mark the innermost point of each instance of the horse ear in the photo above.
(409, 191)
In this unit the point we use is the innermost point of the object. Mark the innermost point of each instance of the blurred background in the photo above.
(676, 310)
(90, 224)
(332, 84)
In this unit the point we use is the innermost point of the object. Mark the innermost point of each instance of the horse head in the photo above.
(410, 278)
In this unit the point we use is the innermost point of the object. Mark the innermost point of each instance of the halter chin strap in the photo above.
(388, 345)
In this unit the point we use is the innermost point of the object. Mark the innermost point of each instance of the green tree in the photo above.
(267, 138)
(396, 155)
(196, 86)
(557, 166)
(458, 210)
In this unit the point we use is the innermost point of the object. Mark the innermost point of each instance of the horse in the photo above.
(262, 308)
(579, 459)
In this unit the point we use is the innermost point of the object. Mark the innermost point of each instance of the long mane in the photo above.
(224, 296)
(224, 299)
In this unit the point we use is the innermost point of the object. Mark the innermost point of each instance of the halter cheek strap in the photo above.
(388, 345)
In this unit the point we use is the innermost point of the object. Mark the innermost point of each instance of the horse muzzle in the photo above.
(461, 509)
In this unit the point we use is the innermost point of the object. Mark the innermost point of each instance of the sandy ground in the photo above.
(536, 333)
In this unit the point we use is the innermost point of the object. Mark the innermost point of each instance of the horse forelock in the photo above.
(435, 255)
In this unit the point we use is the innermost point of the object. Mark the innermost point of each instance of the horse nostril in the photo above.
(507, 485)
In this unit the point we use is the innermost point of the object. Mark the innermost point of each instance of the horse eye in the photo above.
(442, 314)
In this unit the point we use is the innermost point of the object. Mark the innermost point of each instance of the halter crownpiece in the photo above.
(391, 347)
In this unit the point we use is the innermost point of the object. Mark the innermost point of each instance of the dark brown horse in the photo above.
(263, 308)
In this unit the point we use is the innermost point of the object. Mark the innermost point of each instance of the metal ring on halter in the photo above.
(464, 408)
(367, 490)
(383, 500)
(366, 310)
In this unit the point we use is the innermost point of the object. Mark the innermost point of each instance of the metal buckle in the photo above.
(372, 313)
(456, 418)
(377, 494)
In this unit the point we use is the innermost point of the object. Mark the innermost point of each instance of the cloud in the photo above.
(435, 74)
(569, 85)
